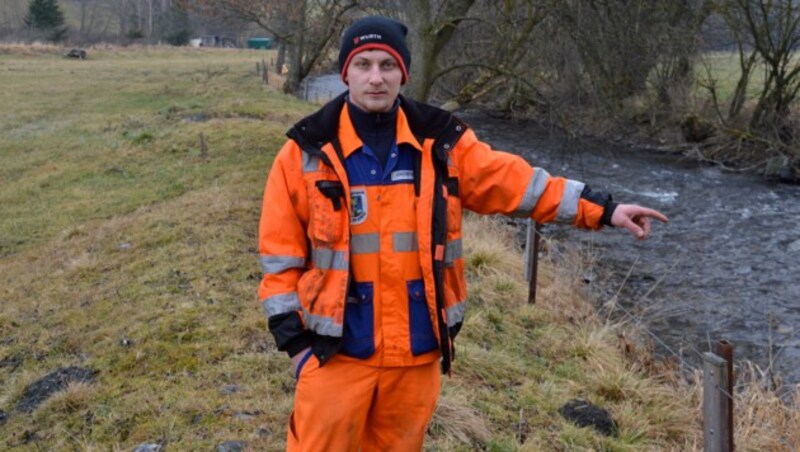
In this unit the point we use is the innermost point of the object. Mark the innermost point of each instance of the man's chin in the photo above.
(377, 107)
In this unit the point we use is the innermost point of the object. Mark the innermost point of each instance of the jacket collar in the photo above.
(350, 142)
(415, 122)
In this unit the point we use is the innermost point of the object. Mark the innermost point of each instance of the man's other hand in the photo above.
(296, 359)
(636, 219)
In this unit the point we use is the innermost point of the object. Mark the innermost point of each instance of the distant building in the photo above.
(213, 41)
(259, 43)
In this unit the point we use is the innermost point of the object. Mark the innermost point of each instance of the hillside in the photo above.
(129, 202)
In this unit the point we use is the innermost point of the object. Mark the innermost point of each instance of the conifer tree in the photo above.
(46, 16)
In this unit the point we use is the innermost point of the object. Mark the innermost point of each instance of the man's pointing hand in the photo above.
(636, 219)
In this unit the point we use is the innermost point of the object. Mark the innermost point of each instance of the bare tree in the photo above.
(307, 28)
(771, 28)
(621, 42)
(96, 19)
(12, 13)
(493, 54)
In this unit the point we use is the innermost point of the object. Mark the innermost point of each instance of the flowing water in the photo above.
(727, 266)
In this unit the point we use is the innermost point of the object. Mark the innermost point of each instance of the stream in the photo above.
(727, 266)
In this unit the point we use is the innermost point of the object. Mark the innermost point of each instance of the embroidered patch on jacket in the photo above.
(358, 203)
(402, 175)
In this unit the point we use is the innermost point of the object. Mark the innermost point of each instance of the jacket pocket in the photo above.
(419, 320)
(328, 211)
(358, 336)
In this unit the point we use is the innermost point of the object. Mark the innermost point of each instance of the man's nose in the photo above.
(375, 76)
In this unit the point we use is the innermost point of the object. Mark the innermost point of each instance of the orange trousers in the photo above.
(349, 406)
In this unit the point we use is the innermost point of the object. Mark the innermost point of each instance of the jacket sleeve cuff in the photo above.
(299, 343)
(290, 335)
(608, 212)
(601, 199)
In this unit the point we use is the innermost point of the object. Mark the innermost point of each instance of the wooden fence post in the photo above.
(715, 404)
(532, 258)
(725, 351)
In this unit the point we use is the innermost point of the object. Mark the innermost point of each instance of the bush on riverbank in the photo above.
(692, 118)
(131, 192)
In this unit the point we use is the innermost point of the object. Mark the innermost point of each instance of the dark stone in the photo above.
(782, 169)
(696, 130)
(788, 175)
(246, 415)
(263, 432)
(231, 446)
(38, 391)
(12, 363)
(584, 414)
(29, 437)
(197, 117)
(3, 417)
(77, 53)
(243, 416)
(229, 389)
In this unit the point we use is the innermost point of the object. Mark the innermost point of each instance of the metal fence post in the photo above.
(716, 437)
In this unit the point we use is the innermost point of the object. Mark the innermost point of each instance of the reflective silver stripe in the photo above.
(272, 265)
(453, 251)
(310, 163)
(322, 325)
(568, 207)
(404, 242)
(328, 259)
(532, 193)
(280, 304)
(365, 243)
(455, 313)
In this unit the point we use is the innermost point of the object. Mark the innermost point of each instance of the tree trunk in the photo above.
(428, 36)
(296, 51)
(82, 31)
(423, 58)
(281, 59)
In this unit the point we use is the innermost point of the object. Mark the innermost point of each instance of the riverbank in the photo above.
(688, 127)
(132, 183)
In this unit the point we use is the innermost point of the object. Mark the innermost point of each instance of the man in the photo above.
(360, 244)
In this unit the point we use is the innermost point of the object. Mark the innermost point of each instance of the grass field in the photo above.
(129, 248)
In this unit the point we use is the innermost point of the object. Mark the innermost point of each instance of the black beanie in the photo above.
(375, 32)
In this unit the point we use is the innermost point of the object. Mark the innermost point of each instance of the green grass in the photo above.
(125, 249)
(114, 225)
(101, 137)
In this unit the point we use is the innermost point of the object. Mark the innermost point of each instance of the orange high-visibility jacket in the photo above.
(320, 252)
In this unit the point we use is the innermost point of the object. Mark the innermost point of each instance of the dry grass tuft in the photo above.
(455, 422)
(763, 420)
(76, 397)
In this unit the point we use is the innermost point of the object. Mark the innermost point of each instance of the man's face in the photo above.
(374, 77)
